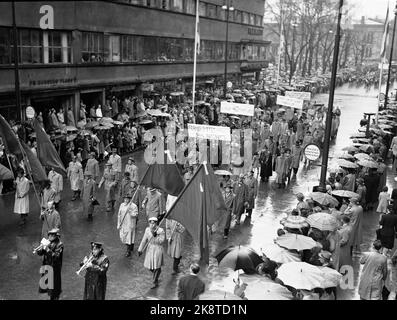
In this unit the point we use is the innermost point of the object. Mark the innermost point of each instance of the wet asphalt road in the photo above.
(127, 278)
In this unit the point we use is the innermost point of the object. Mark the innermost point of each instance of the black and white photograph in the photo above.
(215, 151)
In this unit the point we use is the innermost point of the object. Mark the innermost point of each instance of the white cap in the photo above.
(153, 219)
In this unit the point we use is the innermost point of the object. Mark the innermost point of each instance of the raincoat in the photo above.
(154, 251)
(126, 222)
(21, 205)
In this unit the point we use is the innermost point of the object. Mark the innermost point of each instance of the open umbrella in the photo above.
(71, 137)
(365, 147)
(262, 288)
(91, 124)
(280, 255)
(323, 198)
(331, 277)
(346, 156)
(145, 122)
(218, 295)
(222, 173)
(358, 135)
(294, 222)
(362, 156)
(345, 194)
(71, 128)
(5, 173)
(118, 123)
(300, 275)
(239, 257)
(294, 241)
(347, 164)
(154, 112)
(385, 126)
(322, 221)
(368, 164)
(351, 149)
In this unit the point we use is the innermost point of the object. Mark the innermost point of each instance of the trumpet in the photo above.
(41, 246)
(44, 243)
(85, 265)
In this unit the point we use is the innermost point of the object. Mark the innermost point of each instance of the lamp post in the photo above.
(324, 162)
(228, 8)
(16, 64)
(293, 64)
(390, 59)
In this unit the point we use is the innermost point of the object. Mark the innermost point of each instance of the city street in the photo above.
(127, 278)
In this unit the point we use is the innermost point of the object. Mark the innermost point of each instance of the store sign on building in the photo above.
(47, 20)
(255, 32)
(51, 82)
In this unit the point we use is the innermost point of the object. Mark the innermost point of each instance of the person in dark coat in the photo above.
(240, 202)
(388, 229)
(372, 183)
(190, 286)
(228, 197)
(95, 277)
(394, 200)
(265, 160)
(52, 256)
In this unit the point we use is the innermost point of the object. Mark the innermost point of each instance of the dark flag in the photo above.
(10, 139)
(199, 205)
(165, 177)
(46, 152)
(34, 167)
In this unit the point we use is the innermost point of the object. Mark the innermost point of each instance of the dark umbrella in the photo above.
(239, 257)
(5, 173)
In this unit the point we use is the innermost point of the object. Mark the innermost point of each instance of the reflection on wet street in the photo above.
(127, 278)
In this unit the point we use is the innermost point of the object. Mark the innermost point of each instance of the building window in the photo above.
(57, 47)
(259, 21)
(92, 49)
(111, 48)
(30, 46)
(237, 16)
(190, 6)
(263, 53)
(150, 49)
(245, 16)
(165, 4)
(177, 5)
(252, 19)
(138, 2)
(188, 49)
(219, 51)
(6, 46)
(211, 11)
(202, 9)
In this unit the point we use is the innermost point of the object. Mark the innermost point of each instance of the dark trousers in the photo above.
(249, 212)
(176, 264)
(156, 275)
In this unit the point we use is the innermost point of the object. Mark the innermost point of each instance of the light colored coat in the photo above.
(126, 222)
(48, 195)
(383, 202)
(21, 205)
(345, 258)
(92, 167)
(252, 185)
(373, 275)
(56, 184)
(154, 250)
(174, 232)
(355, 214)
(51, 219)
(75, 175)
(133, 170)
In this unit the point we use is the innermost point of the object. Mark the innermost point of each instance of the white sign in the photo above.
(30, 112)
(237, 108)
(299, 95)
(229, 85)
(312, 152)
(290, 102)
(202, 131)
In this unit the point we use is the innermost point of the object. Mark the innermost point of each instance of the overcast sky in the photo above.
(370, 8)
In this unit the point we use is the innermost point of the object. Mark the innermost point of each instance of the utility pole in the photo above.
(390, 59)
(227, 9)
(16, 65)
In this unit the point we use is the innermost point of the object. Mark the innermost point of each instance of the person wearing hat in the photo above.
(110, 183)
(126, 223)
(349, 181)
(282, 169)
(52, 256)
(355, 212)
(153, 203)
(240, 202)
(228, 197)
(297, 156)
(115, 161)
(21, 205)
(92, 166)
(252, 184)
(372, 181)
(126, 186)
(174, 234)
(302, 204)
(95, 276)
(132, 169)
(56, 181)
(50, 217)
(152, 241)
(89, 195)
(47, 194)
(75, 176)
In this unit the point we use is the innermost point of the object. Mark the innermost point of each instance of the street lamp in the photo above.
(228, 8)
(294, 25)
(390, 58)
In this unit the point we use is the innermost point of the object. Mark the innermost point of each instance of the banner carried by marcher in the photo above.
(290, 102)
(237, 108)
(299, 95)
(202, 131)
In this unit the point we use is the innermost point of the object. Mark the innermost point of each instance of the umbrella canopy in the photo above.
(331, 277)
(294, 241)
(301, 275)
(118, 123)
(106, 120)
(92, 124)
(294, 222)
(145, 122)
(365, 147)
(5, 173)
(358, 135)
(218, 295)
(322, 221)
(280, 255)
(368, 164)
(154, 112)
(346, 156)
(385, 126)
(362, 156)
(347, 164)
(345, 194)
(71, 137)
(223, 173)
(262, 288)
(239, 257)
(71, 128)
(351, 149)
(323, 198)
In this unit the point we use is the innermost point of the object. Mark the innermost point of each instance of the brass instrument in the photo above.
(44, 243)
(85, 265)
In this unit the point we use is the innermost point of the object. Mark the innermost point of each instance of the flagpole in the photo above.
(280, 48)
(380, 90)
(195, 54)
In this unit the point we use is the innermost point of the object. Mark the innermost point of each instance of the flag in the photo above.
(385, 37)
(33, 165)
(10, 139)
(197, 28)
(46, 152)
(165, 177)
(199, 205)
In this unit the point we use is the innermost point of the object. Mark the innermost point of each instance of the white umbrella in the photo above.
(322, 221)
(294, 241)
(280, 255)
(331, 277)
(301, 275)
(262, 288)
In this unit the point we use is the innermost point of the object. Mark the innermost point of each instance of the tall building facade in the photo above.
(86, 51)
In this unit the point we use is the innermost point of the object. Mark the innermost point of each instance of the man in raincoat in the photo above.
(75, 175)
(57, 184)
(152, 241)
(51, 219)
(174, 233)
(47, 194)
(21, 205)
(89, 195)
(92, 166)
(252, 184)
(240, 202)
(228, 197)
(109, 179)
(126, 223)
(355, 212)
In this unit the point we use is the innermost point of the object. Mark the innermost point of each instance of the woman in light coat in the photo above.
(152, 241)
(75, 175)
(126, 223)
(21, 205)
(384, 198)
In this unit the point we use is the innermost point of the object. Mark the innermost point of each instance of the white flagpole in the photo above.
(380, 89)
(195, 53)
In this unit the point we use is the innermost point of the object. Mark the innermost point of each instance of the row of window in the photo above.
(37, 46)
(206, 9)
